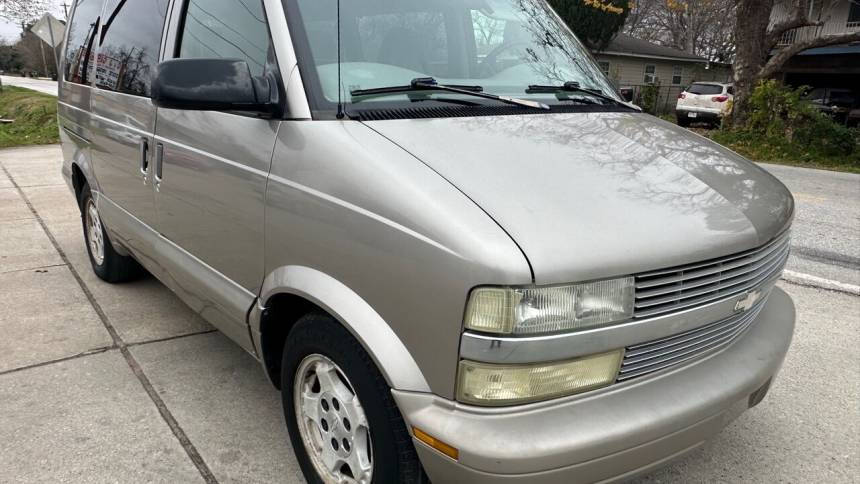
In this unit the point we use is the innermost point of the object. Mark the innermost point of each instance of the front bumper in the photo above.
(608, 434)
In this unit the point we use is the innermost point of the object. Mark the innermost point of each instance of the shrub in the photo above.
(779, 114)
(648, 96)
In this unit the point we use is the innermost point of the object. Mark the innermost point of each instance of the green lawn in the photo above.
(35, 116)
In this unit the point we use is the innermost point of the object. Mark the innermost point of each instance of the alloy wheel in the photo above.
(332, 423)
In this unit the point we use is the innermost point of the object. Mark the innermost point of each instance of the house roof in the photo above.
(625, 45)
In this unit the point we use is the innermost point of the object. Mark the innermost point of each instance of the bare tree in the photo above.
(700, 27)
(757, 37)
(23, 10)
(643, 21)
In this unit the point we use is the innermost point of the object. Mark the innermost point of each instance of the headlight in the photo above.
(494, 385)
(526, 311)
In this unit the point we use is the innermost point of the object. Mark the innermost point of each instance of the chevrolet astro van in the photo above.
(454, 249)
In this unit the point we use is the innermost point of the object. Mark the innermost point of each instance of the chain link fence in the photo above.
(653, 98)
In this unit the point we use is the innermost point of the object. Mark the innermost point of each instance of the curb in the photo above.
(814, 281)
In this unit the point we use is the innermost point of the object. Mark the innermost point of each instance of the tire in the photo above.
(683, 121)
(108, 265)
(318, 339)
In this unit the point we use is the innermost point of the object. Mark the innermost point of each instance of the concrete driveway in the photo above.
(41, 85)
(102, 383)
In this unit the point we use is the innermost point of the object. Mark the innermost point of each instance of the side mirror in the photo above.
(212, 85)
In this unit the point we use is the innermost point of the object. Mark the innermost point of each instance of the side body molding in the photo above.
(388, 352)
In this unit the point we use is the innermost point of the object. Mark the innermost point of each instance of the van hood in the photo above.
(594, 195)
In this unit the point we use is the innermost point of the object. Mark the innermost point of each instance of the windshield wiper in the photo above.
(430, 84)
(571, 87)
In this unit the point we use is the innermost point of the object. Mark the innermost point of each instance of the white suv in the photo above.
(704, 101)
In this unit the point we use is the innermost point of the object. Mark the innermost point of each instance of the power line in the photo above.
(248, 56)
(249, 41)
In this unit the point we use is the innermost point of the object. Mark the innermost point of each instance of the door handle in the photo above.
(159, 163)
(144, 158)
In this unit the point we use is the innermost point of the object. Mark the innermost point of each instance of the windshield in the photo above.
(504, 46)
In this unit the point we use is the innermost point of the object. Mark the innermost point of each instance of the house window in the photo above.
(604, 67)
(650, 73)
(854, 15)
(677, 73)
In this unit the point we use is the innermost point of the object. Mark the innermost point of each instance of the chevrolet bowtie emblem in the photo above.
(747, 301)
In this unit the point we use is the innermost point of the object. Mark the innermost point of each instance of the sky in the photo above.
(11, 32)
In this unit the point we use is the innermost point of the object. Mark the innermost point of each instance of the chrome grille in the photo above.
(645, 358)
(684, 287)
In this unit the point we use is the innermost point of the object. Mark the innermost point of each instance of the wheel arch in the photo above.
(290, 292)
(79, 171)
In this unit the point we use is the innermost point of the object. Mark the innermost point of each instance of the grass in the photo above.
(35, 116)
(758, 148)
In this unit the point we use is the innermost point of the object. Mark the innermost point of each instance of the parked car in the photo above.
(453, 268)
(834, 102)
(704, 101)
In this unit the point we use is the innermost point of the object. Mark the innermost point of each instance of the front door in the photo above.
(211, 169)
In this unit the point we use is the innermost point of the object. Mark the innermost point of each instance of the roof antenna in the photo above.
(340, 111)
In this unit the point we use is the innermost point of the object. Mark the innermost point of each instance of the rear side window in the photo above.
(81, 40)
(705, 89)
(233, 29)
(130, 40)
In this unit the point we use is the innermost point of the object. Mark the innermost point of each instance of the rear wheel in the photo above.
(683, 120)
(108, 265)
(343, 422)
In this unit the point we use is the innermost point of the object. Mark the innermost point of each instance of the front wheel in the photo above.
(343, 422)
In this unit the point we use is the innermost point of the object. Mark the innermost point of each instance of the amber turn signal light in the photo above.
(435, 443)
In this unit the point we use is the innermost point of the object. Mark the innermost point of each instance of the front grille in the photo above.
(692, 285)
(645, 358)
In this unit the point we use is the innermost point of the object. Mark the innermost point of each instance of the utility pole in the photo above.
(66, 10)
(44, 61)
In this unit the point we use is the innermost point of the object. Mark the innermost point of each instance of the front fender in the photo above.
(375, 335)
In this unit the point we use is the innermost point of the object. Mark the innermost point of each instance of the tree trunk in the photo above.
(755, 42)
(753, 17)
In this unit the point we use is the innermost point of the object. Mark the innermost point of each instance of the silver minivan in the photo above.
(456, 251)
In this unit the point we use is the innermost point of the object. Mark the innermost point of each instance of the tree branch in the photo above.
(777, 61)
(799, 18)
(775, 32)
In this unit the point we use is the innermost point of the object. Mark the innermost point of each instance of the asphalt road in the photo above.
(41, 85)
(826, 232)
